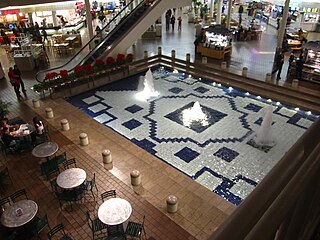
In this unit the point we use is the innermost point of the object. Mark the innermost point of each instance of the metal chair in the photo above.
(134, 229)
(5, 202)
(60, 159)
(90, 184)
(37, 225)
(18, 194)
(58, 231)
(69, 162)
(107, 194)
(4, 175)
(49, 168)
(95, 225)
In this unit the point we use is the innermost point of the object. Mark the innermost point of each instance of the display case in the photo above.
(214, 42)
(311, 68)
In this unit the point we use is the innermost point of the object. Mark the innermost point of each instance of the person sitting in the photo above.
(5, 123)
(9, 140)
(38, 126)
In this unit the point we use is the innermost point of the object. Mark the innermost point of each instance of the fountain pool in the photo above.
(214, 149)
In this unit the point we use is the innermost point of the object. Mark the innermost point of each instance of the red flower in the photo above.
(110, 60)
(50, 76)
(78, 69)
(64, 73)
(88, 68)
(130, 56)
(120, 58)
(99, 62)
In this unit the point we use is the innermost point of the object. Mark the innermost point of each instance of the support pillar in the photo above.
(229, 13)
(219, 12)
(54, 18)
(89, 19)
(211, 8)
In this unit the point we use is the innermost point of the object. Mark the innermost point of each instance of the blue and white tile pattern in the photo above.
(217, 155)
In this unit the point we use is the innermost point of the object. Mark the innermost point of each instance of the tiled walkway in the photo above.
(200, 211)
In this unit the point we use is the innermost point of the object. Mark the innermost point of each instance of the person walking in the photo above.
(179, 23)
(17, 72)
(167, 21)
(14, 82)
(172, 21)
(280, 61)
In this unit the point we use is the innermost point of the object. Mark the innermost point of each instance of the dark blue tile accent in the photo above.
(146, 145)
(253, 107)
(259, 121)
(226, 154)
(176, 90)
(201, 90)
(187, 154)
(132, 124)
(134, 108)
(213, 116)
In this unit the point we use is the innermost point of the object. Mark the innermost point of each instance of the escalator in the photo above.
(119, 34)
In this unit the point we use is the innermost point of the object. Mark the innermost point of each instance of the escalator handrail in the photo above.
(90, 41)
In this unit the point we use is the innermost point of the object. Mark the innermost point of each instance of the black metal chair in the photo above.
(68, 163)
(90, 184)
(134, 229)
(37, 225)
(95, 225)
(4, 175)
(18, 194)
(108, 194)
(5, 202)
(115, 232)
(61, 158)
(50, 168)
(58, 232)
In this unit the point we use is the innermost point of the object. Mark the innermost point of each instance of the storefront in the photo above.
(9, 18)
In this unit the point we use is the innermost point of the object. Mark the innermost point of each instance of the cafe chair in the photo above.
(65, 196)
(107, 194)
(134, 229)
(54, 185)
(89, 185)
(95, 225)
(68, 163)
(115, 232)
(61, 158)
(4, 175)
(5, 203)
(58, 232)
(50, 168)
(37, 225)
(18, 194)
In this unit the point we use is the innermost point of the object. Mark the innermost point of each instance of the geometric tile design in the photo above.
(213, 151)
(132, 124)
(187, 154)
(226, 154)
(175, 90)
(213, 116)
(134, 108)
(253, 107)
(201, 90)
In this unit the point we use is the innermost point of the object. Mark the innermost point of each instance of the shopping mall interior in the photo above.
(205, 179)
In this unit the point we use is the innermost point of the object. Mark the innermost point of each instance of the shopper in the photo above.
(17, 73)
(167, 21)
(14, 82)
(290, 60)
(5, 37)
(172, 21)
(280, 61)
(179, 23)
(45, 35)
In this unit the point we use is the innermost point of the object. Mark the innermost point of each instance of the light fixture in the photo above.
(230, 89)
(309, 113)
(258, 97)
(269, 100)
(278, 103)
(247, 93)
(297, 109)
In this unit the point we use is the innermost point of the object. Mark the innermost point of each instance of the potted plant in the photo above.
(4, 109)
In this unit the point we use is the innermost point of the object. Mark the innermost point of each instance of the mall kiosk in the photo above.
(311, 67)
(214, 42)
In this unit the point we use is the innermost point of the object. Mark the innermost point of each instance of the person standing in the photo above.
(172, 21)
(167, 21)
(5, 37)
(179, 23)
(290, 60)
(17, 72)
(14, 82)
(280, 61)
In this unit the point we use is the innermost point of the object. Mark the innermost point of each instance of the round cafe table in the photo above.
(114, 211)
(19, 214)
(45, 150)
(71, 178)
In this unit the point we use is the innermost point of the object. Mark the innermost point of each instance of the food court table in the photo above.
(71, 178)
(45, 150)
(19, 214)
(114, 211)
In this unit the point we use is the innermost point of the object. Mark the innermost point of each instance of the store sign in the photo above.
(11, 11)
(79, 5)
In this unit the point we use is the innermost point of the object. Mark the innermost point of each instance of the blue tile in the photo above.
(187, 154)
(175, 90)
(202, 89)
(146, 145)
(132, 124)
(134, 108)
(213, 116)
(226, 154)
(253, 107)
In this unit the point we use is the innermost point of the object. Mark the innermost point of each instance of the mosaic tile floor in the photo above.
(214, 151)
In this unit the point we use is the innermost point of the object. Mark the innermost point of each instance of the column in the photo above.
(54, 18)
(219, 11)
(89, 18)
(281, 32)
(211, 8)
(229, 13)
(30, 18)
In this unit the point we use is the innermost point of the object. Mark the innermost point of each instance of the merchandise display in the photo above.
(311, 68)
